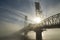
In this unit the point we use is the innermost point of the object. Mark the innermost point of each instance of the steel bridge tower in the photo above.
(38, 14)
(38, 9)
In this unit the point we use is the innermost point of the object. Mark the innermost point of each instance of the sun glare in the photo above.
(37, 20)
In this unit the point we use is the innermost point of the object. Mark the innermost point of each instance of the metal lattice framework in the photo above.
(50, 22)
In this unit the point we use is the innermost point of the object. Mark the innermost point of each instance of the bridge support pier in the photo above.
(39, 35)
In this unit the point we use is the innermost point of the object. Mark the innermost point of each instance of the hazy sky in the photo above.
(10, 13)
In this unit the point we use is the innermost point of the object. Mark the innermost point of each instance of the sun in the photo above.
(37, 19)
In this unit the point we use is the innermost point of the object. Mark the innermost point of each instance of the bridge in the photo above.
(48, 23)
